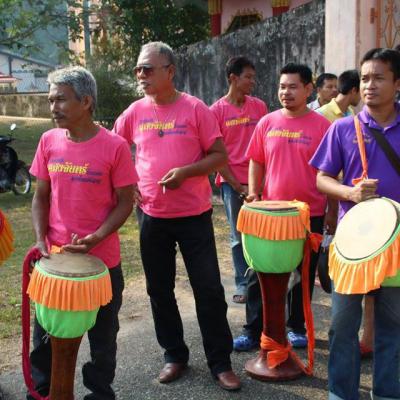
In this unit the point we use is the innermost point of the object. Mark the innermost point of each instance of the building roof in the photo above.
(7, 79)
(27, 59)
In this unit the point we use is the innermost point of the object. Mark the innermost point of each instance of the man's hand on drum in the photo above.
(82, 245)
(173, 179)
(252, 197)
(42, 247)
(364, 190)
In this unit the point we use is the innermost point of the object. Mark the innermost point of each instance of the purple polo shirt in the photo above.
(339, 151)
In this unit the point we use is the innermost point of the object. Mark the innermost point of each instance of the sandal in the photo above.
(239, 298)
(365, 351)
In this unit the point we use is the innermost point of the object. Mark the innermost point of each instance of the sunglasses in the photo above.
(147, 69)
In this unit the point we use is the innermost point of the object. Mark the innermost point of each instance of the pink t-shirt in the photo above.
(285, 146)
(237, 126)
(189, 129)
(83, 177)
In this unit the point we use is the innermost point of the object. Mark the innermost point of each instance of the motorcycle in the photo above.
(14, 174)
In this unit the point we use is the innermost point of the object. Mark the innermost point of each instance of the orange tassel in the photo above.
(6, 238)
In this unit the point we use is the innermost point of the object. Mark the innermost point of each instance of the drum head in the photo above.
(271, 205)
(366, 228)
(72, 265)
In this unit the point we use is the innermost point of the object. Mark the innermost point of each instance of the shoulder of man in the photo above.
(52, 133)
(218, 103)
(111, 137)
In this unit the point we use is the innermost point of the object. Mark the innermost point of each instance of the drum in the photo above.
(68, 290)
(6, 238)
(365, 252)
(274, 235)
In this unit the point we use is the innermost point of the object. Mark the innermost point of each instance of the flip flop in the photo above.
(366, 352)
(239, 298)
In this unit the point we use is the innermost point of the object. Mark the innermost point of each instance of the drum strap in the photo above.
(361, 148)
(278, 353)
(383, 143)
(32, 256)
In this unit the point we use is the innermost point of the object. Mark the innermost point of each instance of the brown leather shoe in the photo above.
(228, 380)
(171, 372)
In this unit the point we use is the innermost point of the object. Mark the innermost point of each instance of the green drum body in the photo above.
(272, 256)
(273, 236)
(393, 281)
(65, 324)
(68, 290)
(365, 252)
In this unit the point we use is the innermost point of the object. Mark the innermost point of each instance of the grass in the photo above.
(18, 211)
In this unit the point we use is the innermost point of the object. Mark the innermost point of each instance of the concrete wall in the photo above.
(297, 35)
(25, 105)
(349, 33)
(231, 8)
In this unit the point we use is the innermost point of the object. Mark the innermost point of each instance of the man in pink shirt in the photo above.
(178, 143)
(282, 144)
(85, 177)
(237, 114)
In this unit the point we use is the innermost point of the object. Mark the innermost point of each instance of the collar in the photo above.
(335, 108)
(366, 118)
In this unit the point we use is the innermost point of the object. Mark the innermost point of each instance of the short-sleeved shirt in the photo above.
(83, 178)
(167, 137)
(339, 151)
(332, 112)
(284, 146)
(237, 125)
(314, 105)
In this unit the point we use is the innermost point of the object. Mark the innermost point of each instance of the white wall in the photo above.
(349, 34)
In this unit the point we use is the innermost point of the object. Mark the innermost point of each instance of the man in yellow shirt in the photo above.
(348, 97)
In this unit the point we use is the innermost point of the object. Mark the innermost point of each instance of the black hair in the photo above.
(326, 76)
(301, 69)
(236, 65)
(348, 80)
(387, 56)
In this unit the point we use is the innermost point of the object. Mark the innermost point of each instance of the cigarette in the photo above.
(163, 189)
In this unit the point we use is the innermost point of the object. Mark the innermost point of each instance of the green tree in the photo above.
(135, 22)
(121, 29)
(20, 19)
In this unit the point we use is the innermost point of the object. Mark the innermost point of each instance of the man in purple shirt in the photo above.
(380, 80)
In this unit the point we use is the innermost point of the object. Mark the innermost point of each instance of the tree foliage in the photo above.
(122, 27)
(136, 22)
(21, 19)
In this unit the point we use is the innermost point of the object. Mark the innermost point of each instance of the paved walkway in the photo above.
(140, 358)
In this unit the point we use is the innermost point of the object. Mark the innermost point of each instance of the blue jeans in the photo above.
(344, 351)
(232, 203)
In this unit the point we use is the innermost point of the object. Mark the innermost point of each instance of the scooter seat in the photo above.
(5, 139)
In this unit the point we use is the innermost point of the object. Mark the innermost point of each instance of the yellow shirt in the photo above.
(332, 112)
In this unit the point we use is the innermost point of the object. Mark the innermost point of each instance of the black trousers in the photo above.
(295, 321)
(98, 374)
(195, 237)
